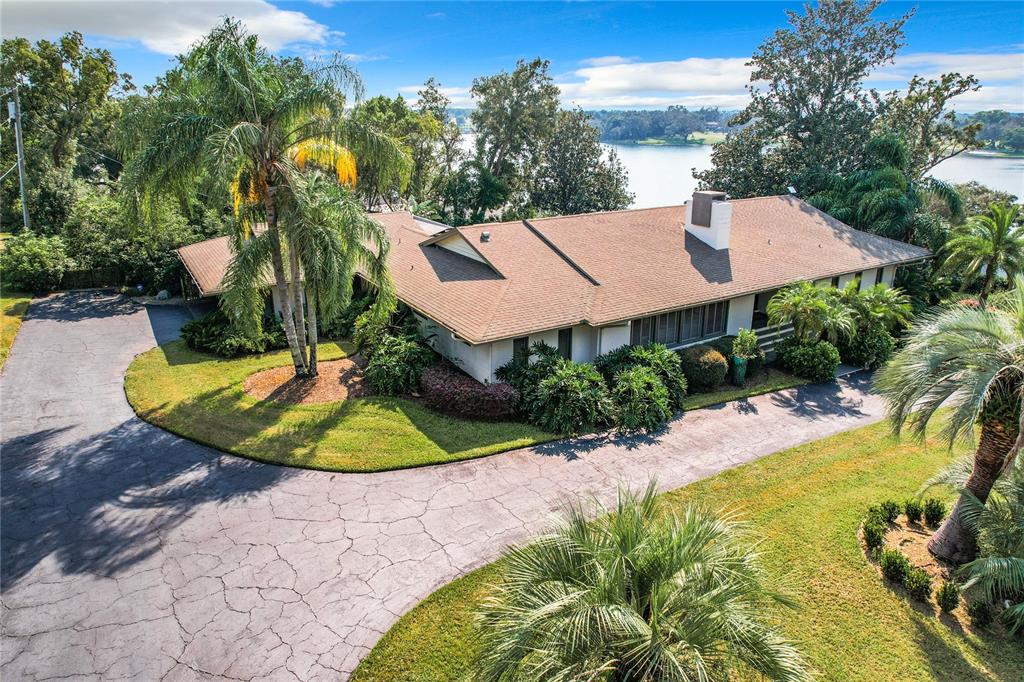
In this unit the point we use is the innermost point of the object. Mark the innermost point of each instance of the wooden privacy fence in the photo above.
(90, 279)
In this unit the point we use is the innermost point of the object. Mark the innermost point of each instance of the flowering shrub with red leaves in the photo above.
(448, 390)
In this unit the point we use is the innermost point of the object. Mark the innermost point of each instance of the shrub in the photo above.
(877, 514)
(344, 325)
(214, 333)
(704, 367)
(641, 400)
(948, 596)
(745, 344)
(913, 509)
(667, 366)
(34, 263)
(450, 391)
(874, 534)
(890, 510)
(396, 364)
(571, 400)
(981, 613)
(934, 512)
(918, 583)
(870, 346)
(814, 361)
(525, 375)
(614, 361)
(723, 344)
(894, 565)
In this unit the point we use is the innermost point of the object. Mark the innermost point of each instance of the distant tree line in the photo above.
(676, 123)
(1000, 130)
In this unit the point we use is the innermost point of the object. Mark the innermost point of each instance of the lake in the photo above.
(662, 176)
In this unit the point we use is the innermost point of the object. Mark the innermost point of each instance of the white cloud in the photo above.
(607, 61)
(987, 67)
(692, 75)
(164, 27)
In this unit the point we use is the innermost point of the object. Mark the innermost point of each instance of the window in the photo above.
(878, 276)
(760, 317)
(520, 346)
(680, 326)
(859, 278)
(565, 343)
(835, 282)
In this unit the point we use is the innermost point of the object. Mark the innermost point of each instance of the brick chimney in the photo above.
(709, 218)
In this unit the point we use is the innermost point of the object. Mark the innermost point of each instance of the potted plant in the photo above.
(744, 348)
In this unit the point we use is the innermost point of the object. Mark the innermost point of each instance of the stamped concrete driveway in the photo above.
(128, 552)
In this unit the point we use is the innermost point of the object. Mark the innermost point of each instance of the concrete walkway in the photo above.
(128, 552)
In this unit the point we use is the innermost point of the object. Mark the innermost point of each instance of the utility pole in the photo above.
(14, 110)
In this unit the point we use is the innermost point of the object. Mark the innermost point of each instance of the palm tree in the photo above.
(244, 120)
(881, 304)
(813, 311)
(638, 594)
(970, 361)
(986, 244)
(882, 197)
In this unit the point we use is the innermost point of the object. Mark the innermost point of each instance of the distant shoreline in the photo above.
(695, 140)
(991, 153)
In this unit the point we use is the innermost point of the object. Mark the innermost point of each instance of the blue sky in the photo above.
(648, 54)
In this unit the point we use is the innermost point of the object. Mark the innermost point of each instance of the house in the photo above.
(587, 284)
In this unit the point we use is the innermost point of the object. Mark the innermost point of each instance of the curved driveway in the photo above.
(129, 552)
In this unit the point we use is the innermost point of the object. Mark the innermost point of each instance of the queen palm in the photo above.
(987, 244)
(242, 119)
(638, 594)
(971, 361)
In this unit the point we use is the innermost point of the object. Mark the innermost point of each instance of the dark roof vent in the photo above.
(485, 236)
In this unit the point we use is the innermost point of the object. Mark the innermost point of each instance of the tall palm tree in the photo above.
(813, 311)
(245, 120)
(986, 244)
(638, 594)
(972, 362)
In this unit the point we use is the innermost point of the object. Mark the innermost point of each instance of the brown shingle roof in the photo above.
(609, 267)
(601, 268)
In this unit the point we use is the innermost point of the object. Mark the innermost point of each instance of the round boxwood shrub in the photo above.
(948, 596)
(704, 367)
(870, 346)
(447, 390)
(33, 263)
(934, 512)
(894, 565)
(815, 361)
(641, 400)
(874, 534)
(918, 583)
(396, 364)
(572, 399)
(913, 509)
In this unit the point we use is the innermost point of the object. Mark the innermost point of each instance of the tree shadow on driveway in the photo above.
(821, 400)
(101, 504)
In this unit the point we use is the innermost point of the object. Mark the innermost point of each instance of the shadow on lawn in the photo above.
(947, 662)
(101, 505)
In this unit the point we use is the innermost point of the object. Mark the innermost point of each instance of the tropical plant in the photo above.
(986, 245)
(243, 119)
(880, 305)
(813, 311)
(396, 364)
(745, 344)
(641, 400)
(971, 361)
(572, 399)
(998, 572)
(638, 594)
(666, 365)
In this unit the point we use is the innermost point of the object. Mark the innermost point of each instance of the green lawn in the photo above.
(14, 306)
(201, 397)
(693, 139)
(806, 503)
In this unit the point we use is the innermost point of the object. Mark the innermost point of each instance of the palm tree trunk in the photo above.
(295, 291)
(954, 541)
(314, 333)
(281, 284)
(987, 284)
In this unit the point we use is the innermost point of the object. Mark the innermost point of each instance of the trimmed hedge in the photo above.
(450, 391)
(704, 367)
(815, 361)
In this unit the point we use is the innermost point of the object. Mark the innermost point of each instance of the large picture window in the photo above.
(681, 326)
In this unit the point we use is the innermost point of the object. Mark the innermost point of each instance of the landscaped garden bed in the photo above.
(806, 504)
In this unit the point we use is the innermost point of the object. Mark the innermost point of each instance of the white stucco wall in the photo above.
(889, 274)
(613, 337)
(846, 279)
(741, 314)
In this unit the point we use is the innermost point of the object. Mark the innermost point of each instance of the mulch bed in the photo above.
(336, 380)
